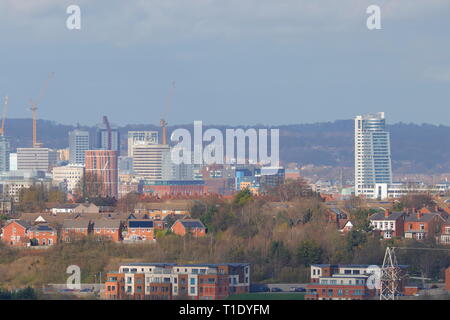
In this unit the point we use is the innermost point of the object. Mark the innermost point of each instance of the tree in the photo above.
(309, 252)
(242, 197)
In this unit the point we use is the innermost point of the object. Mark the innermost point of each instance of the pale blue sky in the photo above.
(234, 61)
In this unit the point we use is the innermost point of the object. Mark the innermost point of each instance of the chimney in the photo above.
(419, 215)
(386, 213)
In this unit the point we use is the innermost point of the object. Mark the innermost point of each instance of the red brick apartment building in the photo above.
(102, 172)
(341, 282)
(166, 281)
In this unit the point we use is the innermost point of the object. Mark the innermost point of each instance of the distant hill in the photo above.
(415, 148)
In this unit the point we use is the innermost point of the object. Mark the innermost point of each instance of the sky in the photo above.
(234, 62)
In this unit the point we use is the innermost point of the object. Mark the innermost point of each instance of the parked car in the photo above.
(276, 290)
(292, 289)
(300, 289)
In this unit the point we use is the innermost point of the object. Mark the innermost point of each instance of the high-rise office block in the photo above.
(39, 159)
(141, 137)
(152, 161)
(4, 153)
(373, 169)
(78, 144)
(101, 173)
(102, 141)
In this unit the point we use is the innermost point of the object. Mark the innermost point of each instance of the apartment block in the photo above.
(166, 281)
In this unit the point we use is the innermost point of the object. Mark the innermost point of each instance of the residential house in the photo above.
(108, 228)
(389, 224)
(42, 235)
(73, 229)
(139, 230)
(15, 233)
(193, 226)
(445, 232)
(421, 226)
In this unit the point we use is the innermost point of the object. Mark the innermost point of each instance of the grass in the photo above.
(267, 296)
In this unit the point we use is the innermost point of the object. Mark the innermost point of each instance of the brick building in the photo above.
(15, 233)
(193, 226)
(166, 281)
(422, 226)
(42, 235)
(108, 228)
(389, 224)
(342, 282)
(73, 229)
(140, 230)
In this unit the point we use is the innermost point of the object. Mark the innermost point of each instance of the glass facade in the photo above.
(372, 154)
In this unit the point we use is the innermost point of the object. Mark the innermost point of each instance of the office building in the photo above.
(102, 141)
(69, 178)
(125, 165)
(42, 159)
(373, 172)
(153, 162)
(13, 161)
(13, 181)
(78, 144)
(101, 173)
(141, 137)
(4, 153)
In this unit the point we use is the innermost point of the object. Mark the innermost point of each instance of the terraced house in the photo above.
(166, 281)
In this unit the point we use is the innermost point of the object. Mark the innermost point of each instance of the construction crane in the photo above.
(108, 128)
(34, 107)
(5, 111)
(163, 123)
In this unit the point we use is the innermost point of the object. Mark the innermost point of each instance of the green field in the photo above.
(267, 296)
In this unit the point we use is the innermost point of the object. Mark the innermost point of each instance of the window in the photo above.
(192, 290)
(192, 281)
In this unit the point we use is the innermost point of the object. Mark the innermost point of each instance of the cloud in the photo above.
(131, 21)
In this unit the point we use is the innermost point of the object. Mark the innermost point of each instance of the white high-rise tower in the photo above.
(373, 171)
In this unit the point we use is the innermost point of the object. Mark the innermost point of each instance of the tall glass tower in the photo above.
(372, 155)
